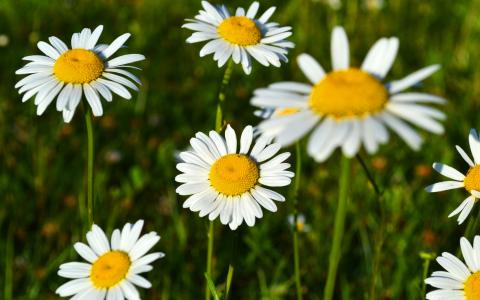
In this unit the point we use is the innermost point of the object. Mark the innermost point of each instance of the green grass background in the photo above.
(42, 160)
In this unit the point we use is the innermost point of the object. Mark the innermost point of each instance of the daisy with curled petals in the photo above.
(470, 181)
(459, 281)
(240, 36)
(113, 267)
(227, 182)
(65, 74)
(349, 106)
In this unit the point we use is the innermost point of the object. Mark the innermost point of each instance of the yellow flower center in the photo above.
(472, 180)
(234, 174)
(472, 287)
(240, 31)
(110, 269)
(78, 66)
(348, 93)
(300, 226)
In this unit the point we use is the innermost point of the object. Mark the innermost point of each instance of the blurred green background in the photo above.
(42, 160)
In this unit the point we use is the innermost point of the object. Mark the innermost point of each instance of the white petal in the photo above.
(444, 186)
(448, 171)
(340, 49)
(310, 67)
(412, 79)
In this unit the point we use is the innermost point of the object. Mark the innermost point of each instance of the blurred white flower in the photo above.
(301, 225)
(348, 106)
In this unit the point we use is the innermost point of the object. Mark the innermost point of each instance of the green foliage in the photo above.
(42, 160)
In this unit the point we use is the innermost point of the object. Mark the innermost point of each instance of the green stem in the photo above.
(296, 187)
(427, 257)
(218, 127)
(90, 159)
(369, 175)
(222, 96)
(338, 230)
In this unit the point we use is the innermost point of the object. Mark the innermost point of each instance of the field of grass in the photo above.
(42, 160)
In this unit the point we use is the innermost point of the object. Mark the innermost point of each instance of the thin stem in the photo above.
(296, 187)
(369, 175)
(338, 230)
(427, 257)
(218, 127)
(90, 159)
(222, 96)
(210, 236)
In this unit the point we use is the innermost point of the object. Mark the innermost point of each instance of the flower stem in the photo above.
(338, 230)
(90, 159)
(296, 187)
(218, 127)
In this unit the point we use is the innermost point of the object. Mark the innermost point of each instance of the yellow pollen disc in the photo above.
(472, 287)
(348, 93)
(286, 111)
(78, 66)
(472, 179)
(110, 269)
(234, 174)
(240, 31)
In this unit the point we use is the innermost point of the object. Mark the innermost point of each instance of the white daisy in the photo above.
(460, 281)
(228, 182)
(349, 106)
(113, 268)
(470, 181)
(301, 224)
(240, 36)
(87, 68)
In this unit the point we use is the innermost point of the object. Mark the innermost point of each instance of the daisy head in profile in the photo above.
(349, 106)
(66, 74)
(229, 181)
(470, 181)
(459, 281)
(113, 267)
(240, 36)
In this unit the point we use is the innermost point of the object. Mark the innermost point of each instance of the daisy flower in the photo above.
(470, 181)
(113, 268)
(87, 68)
(349, 106)
(240, 36)
(229, 182)
(459, 281)
(301, 224)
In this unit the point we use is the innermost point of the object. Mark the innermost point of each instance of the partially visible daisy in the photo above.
(300, 225)
(113, 267)
(65, 74)
(349, 106)
(470, 181)
(459, 281)
(229, 182)
(240, 36)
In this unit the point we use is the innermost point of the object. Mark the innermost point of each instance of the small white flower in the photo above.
(459, 281)
(227, 182)
(301, 225)
(113, 267)
(241, 36)
(65, 74)
(470, 182)
(348, 106)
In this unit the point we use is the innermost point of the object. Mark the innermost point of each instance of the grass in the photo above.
(42, 160)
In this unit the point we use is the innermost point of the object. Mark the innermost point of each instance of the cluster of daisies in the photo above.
(233, 178)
